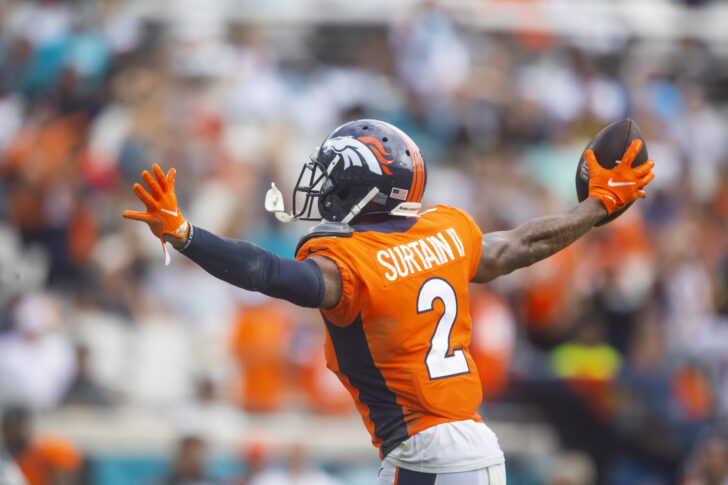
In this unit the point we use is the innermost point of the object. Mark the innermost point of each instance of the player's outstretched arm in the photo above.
(609, 190)
(314, 282)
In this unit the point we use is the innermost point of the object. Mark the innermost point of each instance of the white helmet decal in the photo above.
(353, 152)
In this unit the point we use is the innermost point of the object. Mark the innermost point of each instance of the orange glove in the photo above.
(162, 215)
(619, 186)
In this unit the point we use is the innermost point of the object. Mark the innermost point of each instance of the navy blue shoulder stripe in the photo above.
(388, 226)
(357, 364)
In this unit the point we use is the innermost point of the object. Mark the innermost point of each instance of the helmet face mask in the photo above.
(364, 167)
(315, 174)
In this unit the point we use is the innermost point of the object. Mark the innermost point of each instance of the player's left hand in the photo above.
(162, 215)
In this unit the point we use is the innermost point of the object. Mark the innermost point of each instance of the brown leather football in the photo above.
(609, 145)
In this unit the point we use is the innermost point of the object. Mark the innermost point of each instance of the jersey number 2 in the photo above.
(440, 361)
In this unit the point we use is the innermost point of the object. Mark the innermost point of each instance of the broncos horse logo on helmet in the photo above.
(366, 148)
(363, 167)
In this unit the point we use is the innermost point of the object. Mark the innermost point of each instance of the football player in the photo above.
(392, 285)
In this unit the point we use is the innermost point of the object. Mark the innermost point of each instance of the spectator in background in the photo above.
(649, 420)
(711, 467)
(83, 390)
(254, 458)
(43, 460)
(260, 342)
(188, 467)
(578, 402)
(209, 416)
(493, 340)
(572, 469)
(36, 359)
(588, 361)
(298, 472)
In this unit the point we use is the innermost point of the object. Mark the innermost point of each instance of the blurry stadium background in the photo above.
(605, 364)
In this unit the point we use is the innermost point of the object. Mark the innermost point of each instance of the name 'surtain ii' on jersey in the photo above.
(421, 255)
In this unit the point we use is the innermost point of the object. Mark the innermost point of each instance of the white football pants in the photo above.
(391, 475)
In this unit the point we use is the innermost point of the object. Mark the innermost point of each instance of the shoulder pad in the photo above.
(325, 229)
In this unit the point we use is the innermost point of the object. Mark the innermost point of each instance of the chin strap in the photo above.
(274, 204)
(359, 206)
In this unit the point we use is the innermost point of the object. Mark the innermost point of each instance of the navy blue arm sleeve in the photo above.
(248, 266)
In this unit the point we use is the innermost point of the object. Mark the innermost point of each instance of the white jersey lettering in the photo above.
(380, 257)
(421, 255)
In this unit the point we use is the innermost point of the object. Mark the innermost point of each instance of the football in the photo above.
(609, 145)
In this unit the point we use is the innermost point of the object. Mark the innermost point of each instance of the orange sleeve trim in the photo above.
(476, 241)
(339, 314)
(477, 249)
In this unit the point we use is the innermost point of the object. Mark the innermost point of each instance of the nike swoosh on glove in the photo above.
(619, 186)
(162, 214)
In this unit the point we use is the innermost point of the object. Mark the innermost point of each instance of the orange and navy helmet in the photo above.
(363, 167)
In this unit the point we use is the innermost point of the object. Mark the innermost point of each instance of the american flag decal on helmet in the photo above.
(400, 194)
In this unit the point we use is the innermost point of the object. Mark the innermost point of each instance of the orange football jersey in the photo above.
(398, 338)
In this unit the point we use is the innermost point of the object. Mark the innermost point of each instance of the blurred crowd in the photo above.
(619, 342)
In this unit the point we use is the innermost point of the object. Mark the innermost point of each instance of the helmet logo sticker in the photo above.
(359, 151)
(385, 158)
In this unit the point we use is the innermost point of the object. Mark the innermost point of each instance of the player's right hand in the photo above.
(619, 186)
(162, 214)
